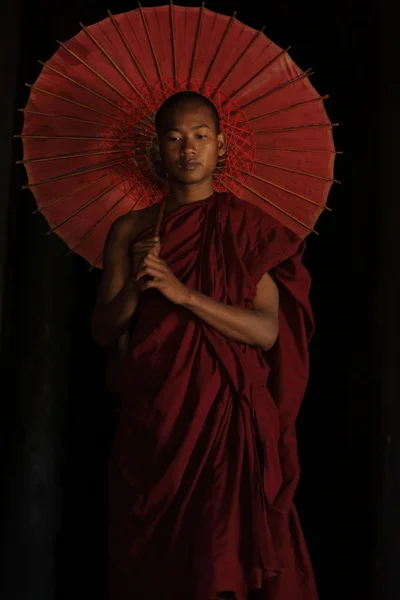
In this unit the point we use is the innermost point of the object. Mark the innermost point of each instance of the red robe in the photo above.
(204, 467)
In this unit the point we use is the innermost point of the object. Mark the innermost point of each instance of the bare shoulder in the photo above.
(146, 219)
(127, 227)
(116, 257)
(122, 230)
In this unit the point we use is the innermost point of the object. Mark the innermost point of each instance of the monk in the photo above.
(203, 466)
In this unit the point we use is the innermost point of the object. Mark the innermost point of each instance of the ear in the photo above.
(155, 145)
(221, 144)
(156, 159)
(156, 151)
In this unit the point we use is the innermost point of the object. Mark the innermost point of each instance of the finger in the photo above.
(144, 250)
(155, 250)
(138, 258)
(146, 258)
(151, 283)
(150, 259)
(151, 271)
(149, 240)
(145, 243)
(138, 261)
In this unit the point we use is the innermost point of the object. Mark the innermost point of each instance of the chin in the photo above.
(189, 179)
(192, 180)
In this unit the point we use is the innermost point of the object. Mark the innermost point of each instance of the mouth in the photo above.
(190, 165)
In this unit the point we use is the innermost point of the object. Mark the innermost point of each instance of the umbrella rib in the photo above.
(329, 179)
(297, 128)
(278, 87)
(68, 156)
(134, 205)
(248, 188)
(132, 208)
(97, 223)
(92, 169)
(140, 127)
(75, 191)
(112, 62)
(128, 48)
(172, 23)
(54, 116)
(96, 73)
(279, 187)
(150, 42)
(264, 68)
(100, 112)
(297, 149)
(84, 87)
(286, 108)
(86, 205)
(214, 58)
(239, 58)
(63, 137)
(196, 41)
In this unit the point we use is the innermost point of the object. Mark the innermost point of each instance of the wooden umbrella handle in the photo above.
(161, 212)
(160, 217)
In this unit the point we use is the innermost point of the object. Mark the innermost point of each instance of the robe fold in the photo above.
(203, 468)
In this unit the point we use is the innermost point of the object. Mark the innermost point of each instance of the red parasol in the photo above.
(89, 122)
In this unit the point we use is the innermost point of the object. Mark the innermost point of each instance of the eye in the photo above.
(201, 136)
(173, 138)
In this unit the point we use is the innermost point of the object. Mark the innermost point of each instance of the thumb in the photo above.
(156, 249)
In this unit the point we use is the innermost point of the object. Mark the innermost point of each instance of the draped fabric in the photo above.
(203, 467)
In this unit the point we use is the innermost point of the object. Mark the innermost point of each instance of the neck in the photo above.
(186, 194)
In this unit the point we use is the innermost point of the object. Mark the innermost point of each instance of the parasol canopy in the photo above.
(88, 134)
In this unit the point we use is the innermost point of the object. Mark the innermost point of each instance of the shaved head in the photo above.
(182, 99)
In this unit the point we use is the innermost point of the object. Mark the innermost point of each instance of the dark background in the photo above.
(57, 421)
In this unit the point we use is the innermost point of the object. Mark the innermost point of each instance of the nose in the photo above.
(188, 147)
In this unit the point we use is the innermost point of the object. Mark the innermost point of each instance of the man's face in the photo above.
(189, 144)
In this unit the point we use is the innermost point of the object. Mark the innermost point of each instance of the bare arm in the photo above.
(257, 327)
(117, 297)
